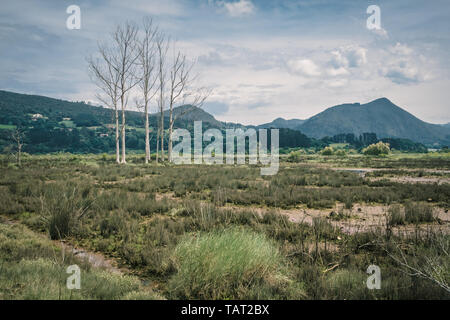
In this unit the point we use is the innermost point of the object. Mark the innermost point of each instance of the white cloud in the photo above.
(235, 8)
(382, 33)
(346, 58)
(335, 72)
(401, 49)
(305, 67)
(402, 65)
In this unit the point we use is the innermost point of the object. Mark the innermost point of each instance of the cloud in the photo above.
(382, 33)
(304, 67)
(334, 72)
(236, 8)
(349, 57)
(401, 49)
(404, 66)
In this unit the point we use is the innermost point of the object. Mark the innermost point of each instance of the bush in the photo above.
(62, 208)
(377, 149)
(395, 216)
(417, 212)
(295, 156)
(327, 151)
(229, 264)
(347, 284)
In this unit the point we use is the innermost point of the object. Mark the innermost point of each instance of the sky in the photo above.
(262, 59)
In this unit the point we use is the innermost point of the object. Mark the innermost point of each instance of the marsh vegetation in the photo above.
(224, 232)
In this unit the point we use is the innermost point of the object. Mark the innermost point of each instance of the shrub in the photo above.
(228, 264)
(377, 149)
(347, 284)
(327, 151)
(62, 208)
(417, 212)
(340, 153)
(395, 216)
(295, 156)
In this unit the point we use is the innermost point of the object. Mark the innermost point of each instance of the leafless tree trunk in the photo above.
(148, 78)
(107, 79)
(125, 42)
(162, 45)
(17, 136)
(179, 77)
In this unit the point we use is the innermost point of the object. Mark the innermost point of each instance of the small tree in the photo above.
(377, 149)
(18, 136)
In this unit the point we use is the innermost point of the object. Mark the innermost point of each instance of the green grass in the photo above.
(68, 123)
(182, 227)
(229, 264)
(7, 126)
(32, 267)
(336, 146)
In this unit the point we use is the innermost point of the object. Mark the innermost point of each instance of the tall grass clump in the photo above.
(417, 212)
(62, 208)
(228, 264)
(395, 216)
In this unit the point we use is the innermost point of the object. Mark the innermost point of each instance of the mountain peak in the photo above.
(381, 100)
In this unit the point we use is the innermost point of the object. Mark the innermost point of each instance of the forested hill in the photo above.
(53, 125)
(18, 109)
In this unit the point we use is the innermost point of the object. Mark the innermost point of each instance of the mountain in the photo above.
(380, 116)
(293, 124)
(193, 113)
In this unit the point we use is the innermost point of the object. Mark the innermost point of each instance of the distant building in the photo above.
(36, 116)
(104, 135)
(67, 119)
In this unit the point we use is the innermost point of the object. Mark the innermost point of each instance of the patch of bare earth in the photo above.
(96, 260)
(407, 179)
(361, 218)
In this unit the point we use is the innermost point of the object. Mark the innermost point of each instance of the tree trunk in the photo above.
(157, 146)
(162, 135)
(117, 135)
(147, 136)
(19, 151)
(123, 136)
(169, 147)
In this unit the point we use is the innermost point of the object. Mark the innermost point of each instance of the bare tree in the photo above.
(182, 90)
(162, 45)
(17, 136)
(147, 64)
(107, 79)
(115, 74)
(178, 96)
(124, 63)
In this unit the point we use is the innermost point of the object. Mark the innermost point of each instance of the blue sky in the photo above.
(263, 59)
